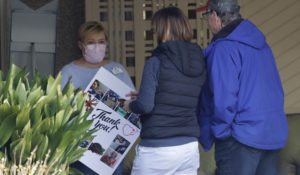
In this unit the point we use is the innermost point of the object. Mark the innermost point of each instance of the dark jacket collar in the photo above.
(225, 31)
(186, 56)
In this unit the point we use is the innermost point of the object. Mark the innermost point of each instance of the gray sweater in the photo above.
(81, 76)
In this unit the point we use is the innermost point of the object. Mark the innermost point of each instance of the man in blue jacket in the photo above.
(241, 108)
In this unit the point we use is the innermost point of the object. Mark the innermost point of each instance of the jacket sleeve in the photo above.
(145, 101)
(223, 69)
(204, 115)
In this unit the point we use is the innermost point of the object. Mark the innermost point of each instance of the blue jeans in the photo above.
(234, 158)
(87, 171)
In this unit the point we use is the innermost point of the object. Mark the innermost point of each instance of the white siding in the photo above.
(279, 20)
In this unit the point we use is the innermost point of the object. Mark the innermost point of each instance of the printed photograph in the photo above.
(96, 148)
(97, 89)
(121, 110)
(119, 144)
(111, 99)
(135, 119)
(91, 102)
(86, 143)
(110, 157)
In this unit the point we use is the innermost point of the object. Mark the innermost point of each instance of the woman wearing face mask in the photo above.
(92, 43)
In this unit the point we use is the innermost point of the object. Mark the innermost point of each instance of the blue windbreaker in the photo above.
(243, 96)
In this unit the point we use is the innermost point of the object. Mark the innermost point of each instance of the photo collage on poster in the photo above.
(116, 149)
(92, 146)
(113, 153)
(99, 92)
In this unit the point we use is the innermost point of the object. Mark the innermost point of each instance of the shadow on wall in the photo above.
(289, 157)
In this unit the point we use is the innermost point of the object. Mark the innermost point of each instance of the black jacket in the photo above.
(182, 74)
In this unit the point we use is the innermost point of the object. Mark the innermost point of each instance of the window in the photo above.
(207, 33)
(130, 52)
(191, 4)
(194, 34)
(149, 45)
(128, 6)
(192, 14)
(103, 16)
(133, 80)
(147, 5)
(103, 6)
(129, 45)
(148, 35)
(102, 0)
(130, 61)
(129, 36)
(128, 16)
(148, 14)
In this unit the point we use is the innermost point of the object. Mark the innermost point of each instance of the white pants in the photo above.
(173, 160)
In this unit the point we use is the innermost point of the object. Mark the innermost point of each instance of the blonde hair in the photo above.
(171, 24)
(90, 27)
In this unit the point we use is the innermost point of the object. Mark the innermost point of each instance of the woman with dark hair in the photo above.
(171, 83)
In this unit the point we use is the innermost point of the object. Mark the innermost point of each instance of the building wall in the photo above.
(5, 19)
(69, 17)
(128, 23)
(33, 35)
(279, 20)
(130, 42)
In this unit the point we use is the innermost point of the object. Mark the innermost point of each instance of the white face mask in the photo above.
(94, 53)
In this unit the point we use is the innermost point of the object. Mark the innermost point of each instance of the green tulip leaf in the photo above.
(26, 129)
(2, 86)
(2, 76)
(22, 93)
(53, 85)
(35, 95)
(69, 88)
(7, 127)
(75, 155)
(6, 110)
(37, 139)
(38, 115)
(23, 117)
(74, 171)
(16, 149)
(13, 71)
(59, 119)
(42, 148)
(35, 115)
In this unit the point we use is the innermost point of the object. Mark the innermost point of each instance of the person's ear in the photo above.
(218, 21)
(216, 17)
(80, 45)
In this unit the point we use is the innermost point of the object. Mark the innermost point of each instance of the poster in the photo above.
(118, 130)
